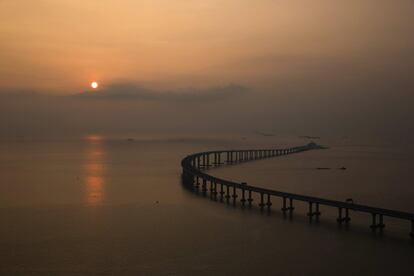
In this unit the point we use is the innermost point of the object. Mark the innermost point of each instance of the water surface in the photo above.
(101, 205)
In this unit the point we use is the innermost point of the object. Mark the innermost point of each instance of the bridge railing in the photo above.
(194, 175)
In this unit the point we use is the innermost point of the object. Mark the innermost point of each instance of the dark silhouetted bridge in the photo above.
(194, 176)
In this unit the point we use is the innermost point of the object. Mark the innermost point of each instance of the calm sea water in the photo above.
(102, 205)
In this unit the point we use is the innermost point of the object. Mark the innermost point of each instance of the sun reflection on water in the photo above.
(94, 170)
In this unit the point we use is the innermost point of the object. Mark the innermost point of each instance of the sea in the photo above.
(102, 204)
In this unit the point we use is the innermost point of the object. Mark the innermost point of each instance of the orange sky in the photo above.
(60, 46)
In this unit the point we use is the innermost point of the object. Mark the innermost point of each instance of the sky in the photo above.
(341, 65)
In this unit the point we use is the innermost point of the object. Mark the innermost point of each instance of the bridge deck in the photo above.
(192, 165)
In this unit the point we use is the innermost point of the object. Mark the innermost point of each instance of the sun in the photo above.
(94, 85)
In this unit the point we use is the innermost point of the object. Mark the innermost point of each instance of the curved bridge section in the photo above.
(194, 175)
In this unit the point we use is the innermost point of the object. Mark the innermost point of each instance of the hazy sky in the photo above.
(348, 62)
(62, 45)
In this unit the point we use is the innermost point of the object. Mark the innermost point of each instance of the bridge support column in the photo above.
(221, 190)
(311, 213)
(340, 218)
(261, 204)
(374, 221)
(197, 184)
(380, 223)
(347, 219)
(243, 199)
(228, 192)
(204, 186)
(250, 199)
(284, 208)
(214, 188)
(234, 193)
(268, 203)
(291, 208)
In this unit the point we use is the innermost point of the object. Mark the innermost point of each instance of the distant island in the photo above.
(310, 137)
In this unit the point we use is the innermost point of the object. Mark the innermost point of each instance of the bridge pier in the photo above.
(284, 208)
(221, 190)
(214, 188)
(340, 218)
(250, 199)
(197, 184)
(227, 192)
(204, 186)
(268, 203)
(380, 223)
(243, 199)
(234, 193)
(290, 208)
(261, 204)
(347, 218)
(312, 213)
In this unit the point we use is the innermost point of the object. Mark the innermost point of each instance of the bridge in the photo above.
(194, 175)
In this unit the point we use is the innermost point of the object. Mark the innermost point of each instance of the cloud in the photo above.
(130, 91)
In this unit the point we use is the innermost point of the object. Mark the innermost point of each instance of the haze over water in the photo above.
(109, 206)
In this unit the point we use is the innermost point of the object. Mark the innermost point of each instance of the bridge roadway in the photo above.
(194, 167)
